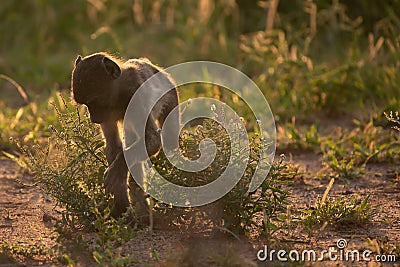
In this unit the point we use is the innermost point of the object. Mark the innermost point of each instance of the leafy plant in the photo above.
(386, 247)
(291, 136)
(70, 168)
(347, 152)
(343, 169)
(337, 212)
(270, 203)
(239, 211)
(16, 250)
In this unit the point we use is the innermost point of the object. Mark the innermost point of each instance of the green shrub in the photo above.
(239, 211)
(337, 212)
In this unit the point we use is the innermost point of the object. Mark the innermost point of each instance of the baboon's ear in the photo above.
(112, 68)
(77, 60)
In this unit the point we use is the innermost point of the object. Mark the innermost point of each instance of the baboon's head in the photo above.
(92, 84)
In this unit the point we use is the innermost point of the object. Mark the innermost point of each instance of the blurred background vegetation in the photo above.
(325, 57)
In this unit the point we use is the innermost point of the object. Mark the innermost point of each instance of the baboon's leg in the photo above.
(115, 179)
(171, 131)
(152, 137)
(113, 141)
(137, 194)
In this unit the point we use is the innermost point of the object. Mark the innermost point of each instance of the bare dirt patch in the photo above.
(26, 222)
(23, 220)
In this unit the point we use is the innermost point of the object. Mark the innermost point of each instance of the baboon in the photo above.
(105, 85)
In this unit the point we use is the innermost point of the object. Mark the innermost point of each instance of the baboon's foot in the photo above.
(115, 180)
(142, 213)
(120, 204)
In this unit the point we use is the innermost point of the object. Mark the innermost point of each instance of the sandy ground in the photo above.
(26, 221)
